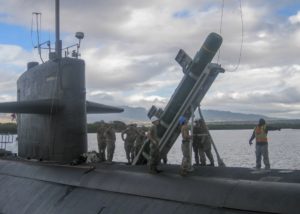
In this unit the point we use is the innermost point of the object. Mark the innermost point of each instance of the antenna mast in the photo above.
(58, 43)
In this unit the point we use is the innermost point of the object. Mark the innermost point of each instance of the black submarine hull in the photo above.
(32, 187)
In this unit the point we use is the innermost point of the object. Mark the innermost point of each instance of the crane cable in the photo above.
(220, 30)
(242, 35)
(38, 20)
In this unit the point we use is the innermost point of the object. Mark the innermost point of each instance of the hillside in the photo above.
(139, 114)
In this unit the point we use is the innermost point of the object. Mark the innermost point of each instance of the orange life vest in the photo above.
(261, 134)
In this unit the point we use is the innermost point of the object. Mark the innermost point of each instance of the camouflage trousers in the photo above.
(196, 151)
(200, 150)
(262, 150)
(101, 149)
(186, 159)
(129, 149)
(154, 156)
(110, 150)
(209, 155)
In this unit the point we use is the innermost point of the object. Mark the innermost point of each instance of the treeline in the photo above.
(119, 126)
(10, 128)
(238, 126)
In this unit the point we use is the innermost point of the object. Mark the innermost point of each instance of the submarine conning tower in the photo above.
(51, 105)
(56, 131)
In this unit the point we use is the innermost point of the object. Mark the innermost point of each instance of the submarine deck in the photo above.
(118, 188)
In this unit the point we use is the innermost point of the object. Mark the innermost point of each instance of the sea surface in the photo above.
(232, 145)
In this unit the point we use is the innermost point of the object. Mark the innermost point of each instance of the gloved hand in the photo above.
(250, 142)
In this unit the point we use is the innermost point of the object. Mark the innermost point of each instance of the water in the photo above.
(233, 147)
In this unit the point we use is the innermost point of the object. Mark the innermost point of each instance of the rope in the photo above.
(242, 35)
(38, 20)
(242, 39)
(220, 30)
(39, 28)
(31, 30)
(54, 91)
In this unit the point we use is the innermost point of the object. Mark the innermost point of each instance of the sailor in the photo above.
(139, 141)
(131, 134)
(154, 149)
(110, 139)
(185, 147)
(204, 145)
(13, 116)
(260, 133)
(196, 140)
(101, 141)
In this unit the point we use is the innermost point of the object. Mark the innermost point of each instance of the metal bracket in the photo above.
(184, 60)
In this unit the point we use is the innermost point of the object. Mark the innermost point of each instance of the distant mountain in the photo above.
(130, 114)
(228, 116)
(5, 118)
(139, 114)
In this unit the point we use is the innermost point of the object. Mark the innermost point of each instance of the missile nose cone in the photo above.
(213, 42)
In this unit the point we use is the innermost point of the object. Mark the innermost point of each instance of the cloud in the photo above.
(13, 61)
(272, 91)
(295, 19)
(130, 46)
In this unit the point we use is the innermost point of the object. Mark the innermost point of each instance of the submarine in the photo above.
(51, 122)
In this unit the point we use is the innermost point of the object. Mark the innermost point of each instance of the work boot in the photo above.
(211, 164)
(183, 173)
(109, 162)
(153, 170)
(158, 171)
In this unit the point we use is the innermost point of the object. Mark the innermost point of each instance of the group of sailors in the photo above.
(201, 145)
(132, 136)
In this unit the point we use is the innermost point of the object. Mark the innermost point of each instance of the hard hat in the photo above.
(154, 118)
(181, 120)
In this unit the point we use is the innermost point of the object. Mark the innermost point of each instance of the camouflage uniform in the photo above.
(101, 142)
(196, 141)
(186, 159)
(110, 139)
(205, 149)
(139, 141)
(131, 134)
(154, 149)
(202, 145)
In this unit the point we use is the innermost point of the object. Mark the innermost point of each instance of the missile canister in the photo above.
(201, 59)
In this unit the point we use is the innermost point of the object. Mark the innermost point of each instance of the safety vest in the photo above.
(261, 134)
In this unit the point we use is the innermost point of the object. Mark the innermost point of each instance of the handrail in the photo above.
(5, 139)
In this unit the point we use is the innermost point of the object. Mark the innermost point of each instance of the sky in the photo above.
(130, 46)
